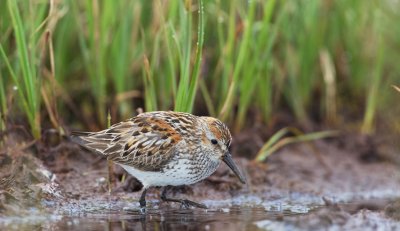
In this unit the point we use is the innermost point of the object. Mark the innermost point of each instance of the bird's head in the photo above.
(218, 138)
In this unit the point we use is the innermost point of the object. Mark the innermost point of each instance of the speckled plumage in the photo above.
(164, 148)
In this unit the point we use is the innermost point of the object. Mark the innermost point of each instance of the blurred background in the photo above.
(269, 64)
(276, 71)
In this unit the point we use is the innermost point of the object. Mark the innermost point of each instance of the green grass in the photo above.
(24, 71)
(187, 86)
(327, 61)
(3, 104)
(278, 140)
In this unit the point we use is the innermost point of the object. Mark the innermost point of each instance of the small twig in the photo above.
(396, 88)
(110, 165)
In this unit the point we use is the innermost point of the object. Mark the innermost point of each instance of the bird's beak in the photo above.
(227, 158)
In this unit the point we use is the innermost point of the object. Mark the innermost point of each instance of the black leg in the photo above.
(184, 202)
(142, 200)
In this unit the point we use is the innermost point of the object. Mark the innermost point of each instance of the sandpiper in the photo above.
(165, 148)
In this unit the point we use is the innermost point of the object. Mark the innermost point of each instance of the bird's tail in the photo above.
(94, 141)
(76, 137)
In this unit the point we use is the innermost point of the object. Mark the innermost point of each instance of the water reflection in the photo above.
(171, 219)
(359, 214)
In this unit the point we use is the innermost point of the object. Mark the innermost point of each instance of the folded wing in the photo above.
(145, 142)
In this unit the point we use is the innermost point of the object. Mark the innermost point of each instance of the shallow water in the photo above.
(290, 211)
(234, 218)
(226, 218)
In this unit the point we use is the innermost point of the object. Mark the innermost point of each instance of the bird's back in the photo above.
(145, 142)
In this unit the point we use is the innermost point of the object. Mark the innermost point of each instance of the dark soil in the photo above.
(316, 180)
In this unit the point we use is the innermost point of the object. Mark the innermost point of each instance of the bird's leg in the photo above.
(184, 202)
(142, 200)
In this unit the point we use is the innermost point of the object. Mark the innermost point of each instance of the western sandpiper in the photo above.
(165, 149)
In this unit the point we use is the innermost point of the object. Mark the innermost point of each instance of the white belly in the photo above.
(178, 174)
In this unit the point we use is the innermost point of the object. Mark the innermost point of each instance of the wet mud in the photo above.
(333, 184)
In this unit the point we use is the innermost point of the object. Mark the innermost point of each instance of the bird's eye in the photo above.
(213, 141)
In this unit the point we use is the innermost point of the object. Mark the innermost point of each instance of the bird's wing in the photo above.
(145, 142)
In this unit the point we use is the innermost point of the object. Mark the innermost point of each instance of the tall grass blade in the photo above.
(28, 84)
(3, 103)
(187, 86)
(377, 78)
(242, 55)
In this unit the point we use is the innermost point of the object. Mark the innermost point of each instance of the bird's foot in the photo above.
(187, 203)
(143, 210)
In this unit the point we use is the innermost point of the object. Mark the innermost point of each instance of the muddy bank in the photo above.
(311, 182)
(325, 170)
